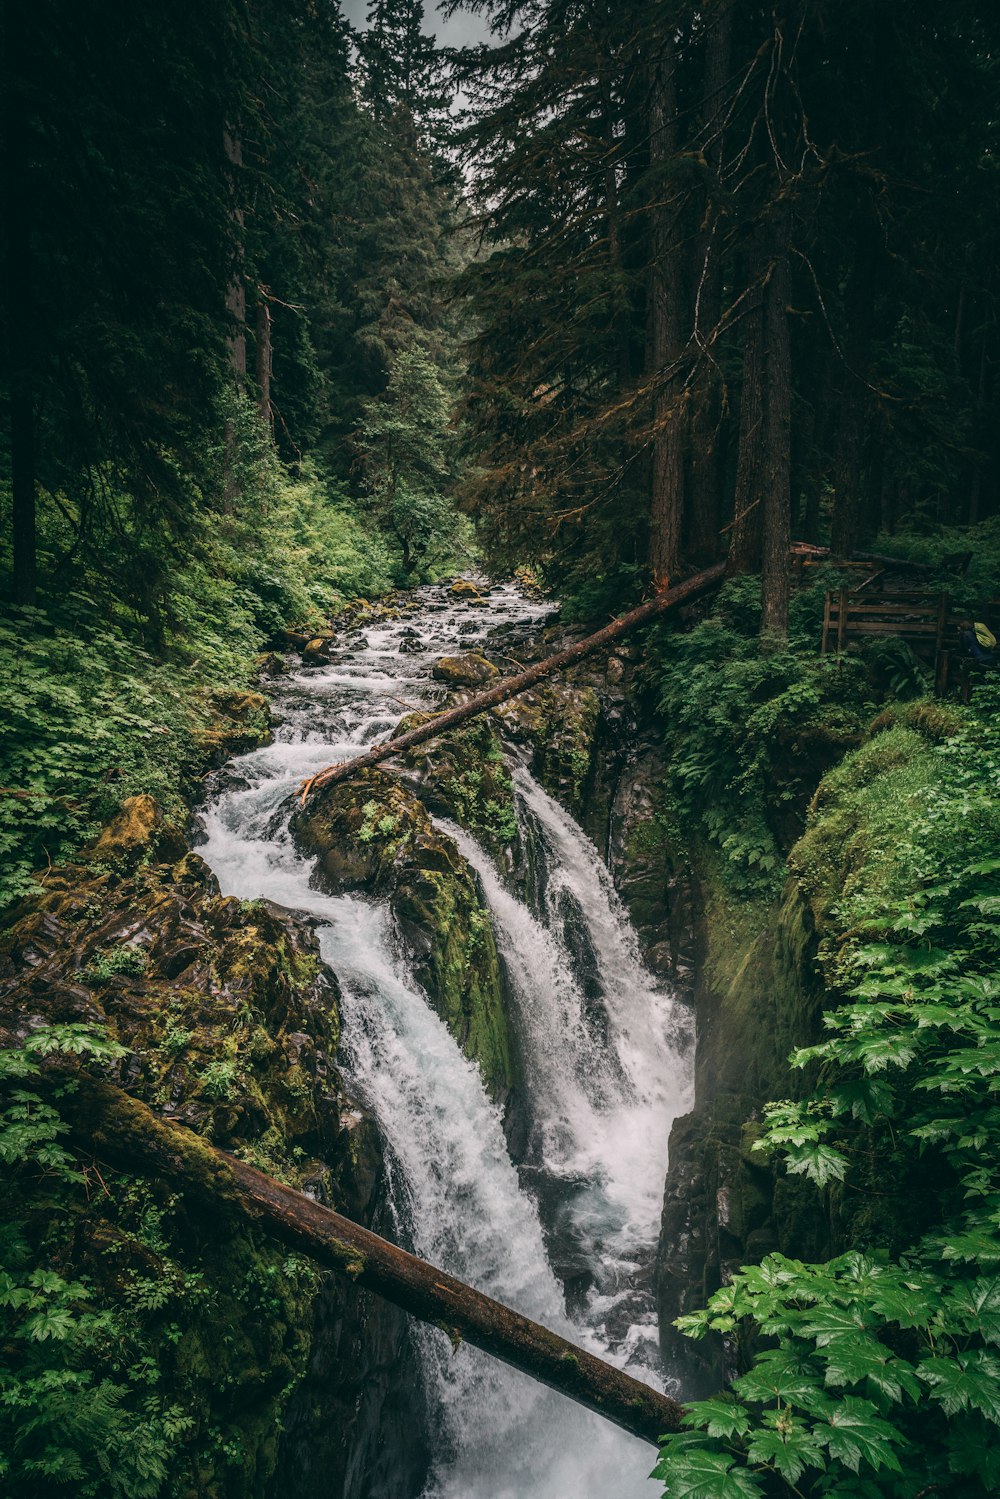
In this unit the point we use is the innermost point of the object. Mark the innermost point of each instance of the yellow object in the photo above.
(985, 636)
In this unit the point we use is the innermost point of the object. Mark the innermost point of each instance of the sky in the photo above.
(458, 32)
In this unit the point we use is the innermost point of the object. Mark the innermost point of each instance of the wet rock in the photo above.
(559, 721)
(372, 834)
(468, 670)
(318, 650)
(463, 588)
(411, 644)
(130, 834)
(239, 721)
(270, 664)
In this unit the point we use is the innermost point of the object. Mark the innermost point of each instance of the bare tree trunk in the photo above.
(747, 528)
(236, 292)
(262, 360)
(120, 1129)
(975, 488)
(19, 293)
(846, 523)
(778, 445)
(621, 313)
(666, 290)
(854, 407)
(510, 687)
(705, 479)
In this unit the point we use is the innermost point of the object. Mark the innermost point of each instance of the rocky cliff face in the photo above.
(296, 1385)
(758, 995)
(372, 834)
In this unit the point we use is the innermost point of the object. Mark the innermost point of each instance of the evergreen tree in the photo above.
(718, 286)
(405, 447)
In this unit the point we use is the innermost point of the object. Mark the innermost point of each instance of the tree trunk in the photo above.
(705, 478)
(669, 421)
(778, 444)
(846, 524)
(19, 293)
(120, 1129)
(845, 530)
(621, 312)
(236, 292)
(747, 528)
(975, 489)
(510, 687)
(262, 361)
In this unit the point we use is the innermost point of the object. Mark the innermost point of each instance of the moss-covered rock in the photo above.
(464, 588)
(464, 776)
(238, 721)
(560, 722)
(371, 833)
(468, 670)
(766, 974)
(758, 995)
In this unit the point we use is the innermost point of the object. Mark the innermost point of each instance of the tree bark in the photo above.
(778, 442)
(120, 1129)
(19, 293)
(669, 421)
(705, 479)
(510, 687)
(236, 293)
(262, 361)
(747, 528)
(855, 401)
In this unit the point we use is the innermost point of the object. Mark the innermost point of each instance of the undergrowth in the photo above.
(880, 1371)
(750, 732)
(103, 688)
(128, 1366)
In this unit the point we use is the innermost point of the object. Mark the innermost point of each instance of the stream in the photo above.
(567, 1233)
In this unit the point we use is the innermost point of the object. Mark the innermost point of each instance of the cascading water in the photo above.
(603, 1050)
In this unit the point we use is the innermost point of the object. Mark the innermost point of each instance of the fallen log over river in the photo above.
(670, 598)
(117, 1128)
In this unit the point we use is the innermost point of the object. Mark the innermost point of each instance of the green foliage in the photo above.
(408, 454)
(30, 1127)
(882, 1376)
(749, 732)
(110, 1384)
(964, 560)
(98, 702)
(106, 965)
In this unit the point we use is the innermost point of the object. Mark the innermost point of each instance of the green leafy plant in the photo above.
(883, 1375)
(107, 965)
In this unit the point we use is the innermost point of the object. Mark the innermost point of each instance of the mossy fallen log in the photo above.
(509, 687)
(119, 1129)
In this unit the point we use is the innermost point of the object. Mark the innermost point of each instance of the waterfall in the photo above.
(603, 1049)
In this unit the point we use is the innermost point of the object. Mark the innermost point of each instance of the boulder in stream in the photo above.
(468, 670)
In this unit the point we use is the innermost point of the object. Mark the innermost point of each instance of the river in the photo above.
(567, 1233)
